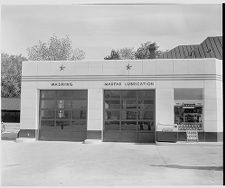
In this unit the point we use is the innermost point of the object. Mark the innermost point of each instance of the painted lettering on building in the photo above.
(113, 84)
(144, 83)
(61, 84)
(130, 83)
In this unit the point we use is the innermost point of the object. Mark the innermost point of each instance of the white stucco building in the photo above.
(121, 100)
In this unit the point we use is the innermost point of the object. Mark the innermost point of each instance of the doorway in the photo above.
(129, 116)
(63, 115)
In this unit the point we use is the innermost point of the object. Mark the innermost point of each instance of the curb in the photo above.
(189, 143)
(19, 140)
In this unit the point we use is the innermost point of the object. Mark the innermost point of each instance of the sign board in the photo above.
(191, 126)
(188, 105)
(192, 135)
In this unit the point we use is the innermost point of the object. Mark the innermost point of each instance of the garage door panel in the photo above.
(78, 128)
(146, 137)
(112, 125)
(131, 113)
(111, 136)
(65, 136)
(118, 136)
(63, 115)
(128, 137)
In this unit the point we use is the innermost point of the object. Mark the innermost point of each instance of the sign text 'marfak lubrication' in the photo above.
(130, 83)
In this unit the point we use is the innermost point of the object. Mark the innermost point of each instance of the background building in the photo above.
(211, 47)
(10, 109)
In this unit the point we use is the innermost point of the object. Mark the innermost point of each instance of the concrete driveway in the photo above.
(45, 163)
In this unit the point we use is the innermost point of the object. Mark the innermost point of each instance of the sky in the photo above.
(97, 29)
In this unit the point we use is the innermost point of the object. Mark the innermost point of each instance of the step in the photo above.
(92, 141)
(21, 139)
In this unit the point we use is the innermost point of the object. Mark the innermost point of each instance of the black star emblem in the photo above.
(62, 67)
(208, 50)
(129, 66)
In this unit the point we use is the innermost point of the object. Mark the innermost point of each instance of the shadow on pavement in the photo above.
(215, 168)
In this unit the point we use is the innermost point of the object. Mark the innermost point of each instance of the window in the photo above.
(188, 109)
(11, 116)
(188, 94)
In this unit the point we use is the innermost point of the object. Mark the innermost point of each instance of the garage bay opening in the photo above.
(129, 116)
(63, 115)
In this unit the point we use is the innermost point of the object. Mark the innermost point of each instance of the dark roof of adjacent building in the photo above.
(10, 103)
(211, 47)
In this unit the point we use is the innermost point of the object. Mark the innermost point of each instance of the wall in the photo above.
(92, 75)
(29, 106)
(95, 109)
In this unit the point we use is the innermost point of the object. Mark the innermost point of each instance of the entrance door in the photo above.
(63, 115)
(129, 115)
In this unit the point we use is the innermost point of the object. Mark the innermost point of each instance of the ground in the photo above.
(52, 163)
(55, 163)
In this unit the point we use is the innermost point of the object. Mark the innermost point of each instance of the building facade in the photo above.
(121, 100)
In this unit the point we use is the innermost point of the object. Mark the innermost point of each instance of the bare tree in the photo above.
(124, 53)
(78, 54)
(55, 49)
(127, 53)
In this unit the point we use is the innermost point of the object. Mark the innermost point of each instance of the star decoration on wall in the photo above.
(129, 66)
(208, 50)
(62, 67)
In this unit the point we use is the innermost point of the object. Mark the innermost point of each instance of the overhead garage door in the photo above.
(129, 115)
(63, 115)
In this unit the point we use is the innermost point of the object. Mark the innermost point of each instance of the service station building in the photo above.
(121, 100)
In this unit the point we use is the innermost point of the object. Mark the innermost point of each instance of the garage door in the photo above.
(129, 116)
(63, 115)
